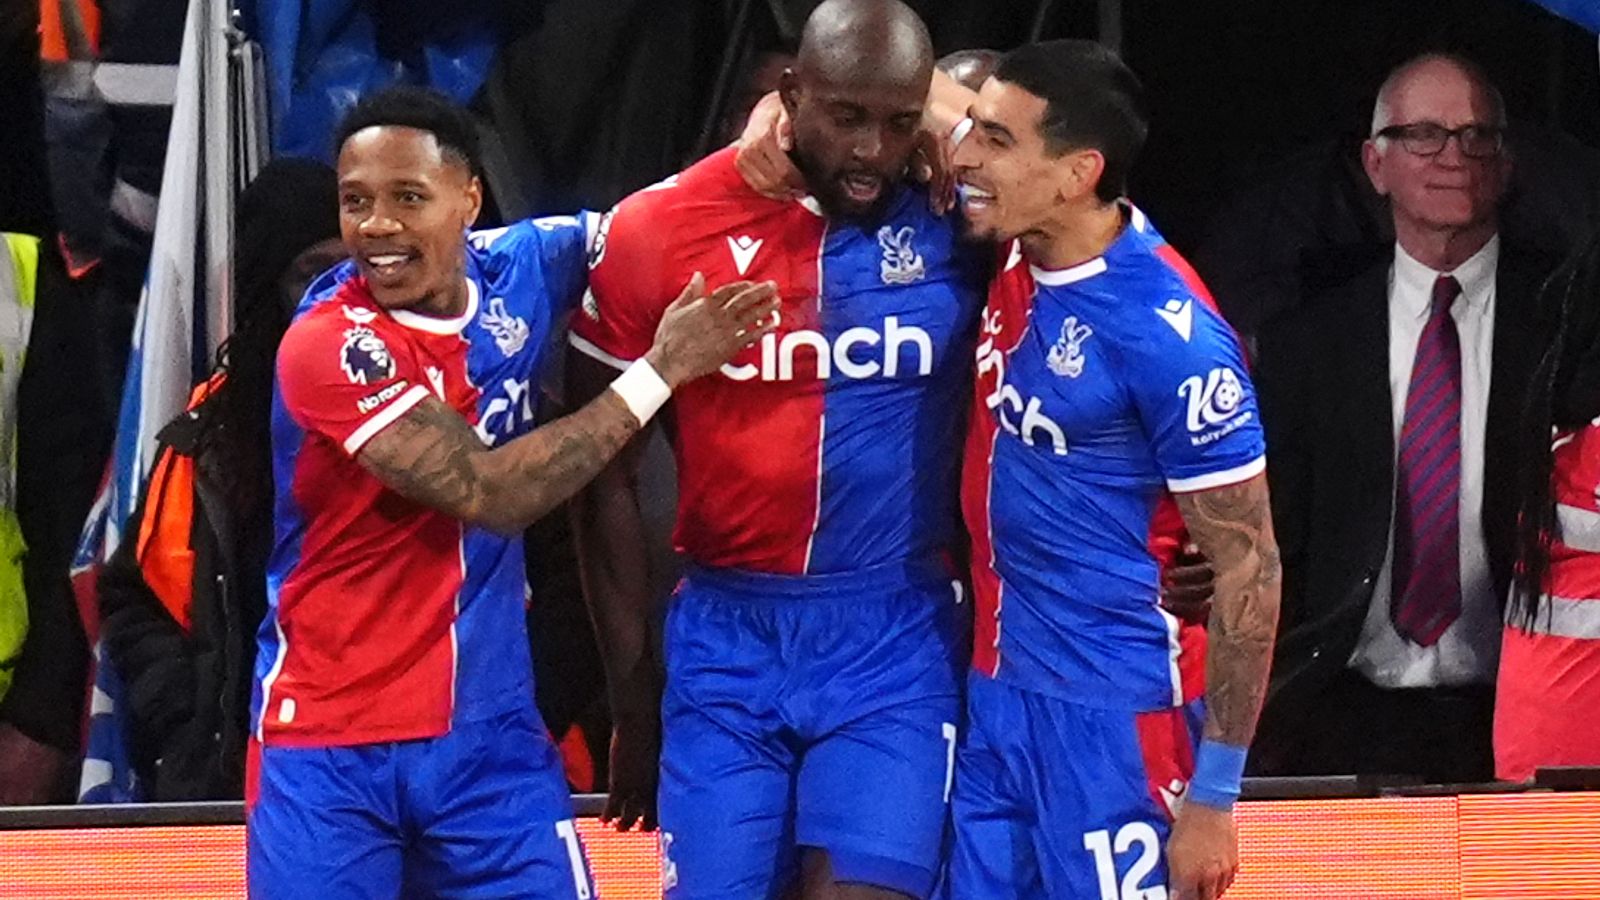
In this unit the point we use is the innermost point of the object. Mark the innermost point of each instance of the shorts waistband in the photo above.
(745, 584)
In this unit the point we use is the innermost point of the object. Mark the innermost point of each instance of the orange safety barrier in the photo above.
(1490, 847)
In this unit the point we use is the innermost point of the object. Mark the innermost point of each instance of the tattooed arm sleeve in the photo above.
(1233, 527)
(431, 455)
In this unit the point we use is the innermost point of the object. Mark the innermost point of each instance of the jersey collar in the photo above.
(436, 325)
(1058, 277)
(1137, 224)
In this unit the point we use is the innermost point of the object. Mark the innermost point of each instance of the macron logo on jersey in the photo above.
(778, 354)
(1180, 315)
(744, 249)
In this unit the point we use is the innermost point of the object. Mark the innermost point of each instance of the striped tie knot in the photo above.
(1445, 291)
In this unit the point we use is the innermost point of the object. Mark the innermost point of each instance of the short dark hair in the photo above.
(1092, 101)
(408, 106)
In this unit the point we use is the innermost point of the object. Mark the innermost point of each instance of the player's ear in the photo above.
(472, 200)
(1081, 172)
(789, 91)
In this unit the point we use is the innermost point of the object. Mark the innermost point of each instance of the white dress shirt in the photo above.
(1469, 650)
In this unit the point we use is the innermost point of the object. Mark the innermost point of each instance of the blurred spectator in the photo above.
(19, 270)
(971, 68)
(61, 445)
(19, 277)
(1549, 684)
(182, 596)
(1390, 402)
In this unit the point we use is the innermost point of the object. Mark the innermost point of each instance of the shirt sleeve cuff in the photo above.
(383, 418)
(1225, 478)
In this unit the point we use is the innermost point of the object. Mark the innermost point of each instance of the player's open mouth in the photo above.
(861, 187)
(387, 265)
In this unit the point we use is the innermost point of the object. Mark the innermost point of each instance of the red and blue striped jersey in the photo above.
(388, 620)
(832, 445)
(1100, 390)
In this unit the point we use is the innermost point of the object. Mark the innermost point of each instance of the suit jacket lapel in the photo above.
(1364, 358)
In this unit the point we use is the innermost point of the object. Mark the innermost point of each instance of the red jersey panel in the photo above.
(346, 370)
(828, 446)
(388, 620)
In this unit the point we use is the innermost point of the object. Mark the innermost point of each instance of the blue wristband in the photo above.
(1218, 772)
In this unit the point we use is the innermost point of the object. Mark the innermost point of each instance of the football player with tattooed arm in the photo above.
(1106, 379)
(396, 747)
(1107, 386)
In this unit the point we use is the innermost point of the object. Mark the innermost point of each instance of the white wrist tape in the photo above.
(643, 389)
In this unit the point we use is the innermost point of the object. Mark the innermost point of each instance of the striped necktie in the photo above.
(1427, 531)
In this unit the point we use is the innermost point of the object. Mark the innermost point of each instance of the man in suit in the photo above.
(1390, 403)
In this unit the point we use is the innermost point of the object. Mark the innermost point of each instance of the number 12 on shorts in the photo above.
(1105, 851)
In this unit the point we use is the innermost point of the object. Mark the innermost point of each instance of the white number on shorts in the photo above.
(669, 869)
(1100, 844)
(949, 757)
(580, 875)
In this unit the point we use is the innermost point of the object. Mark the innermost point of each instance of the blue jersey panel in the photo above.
(900, 307)
(528, 275)
(1125, 385)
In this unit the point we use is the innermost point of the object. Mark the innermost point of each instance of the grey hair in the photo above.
(1473, 71)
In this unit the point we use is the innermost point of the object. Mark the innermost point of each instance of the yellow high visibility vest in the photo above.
(19, 279)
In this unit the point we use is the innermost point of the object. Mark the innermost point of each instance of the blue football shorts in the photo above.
(482, 811)
(1056, 799)
(809, 712)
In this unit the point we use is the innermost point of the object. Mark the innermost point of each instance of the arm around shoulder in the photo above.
(431, 455)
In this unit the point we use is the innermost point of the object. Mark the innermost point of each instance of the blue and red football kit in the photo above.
(812, 649)
(400, 748)
(1101, 390)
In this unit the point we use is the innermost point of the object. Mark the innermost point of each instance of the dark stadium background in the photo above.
(1234, 85)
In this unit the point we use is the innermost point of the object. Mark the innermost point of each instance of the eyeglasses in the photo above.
(1429, 138)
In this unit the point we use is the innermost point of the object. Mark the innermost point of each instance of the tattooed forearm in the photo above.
(431, 455)
(427, 456)
(1233, 528)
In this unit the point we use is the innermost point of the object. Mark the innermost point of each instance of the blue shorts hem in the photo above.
(878, 871)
